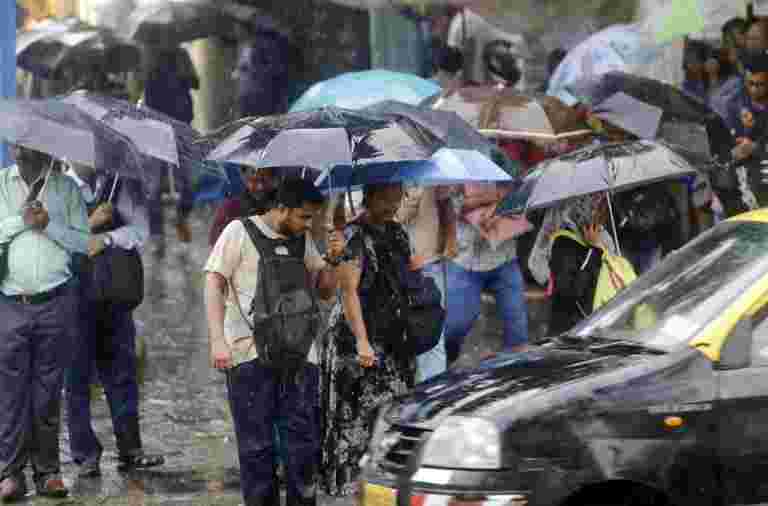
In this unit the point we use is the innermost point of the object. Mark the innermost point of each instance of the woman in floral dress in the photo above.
(364, 362)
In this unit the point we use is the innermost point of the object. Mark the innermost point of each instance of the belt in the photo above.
(39, 298)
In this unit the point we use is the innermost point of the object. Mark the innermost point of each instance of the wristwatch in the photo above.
(332, 262)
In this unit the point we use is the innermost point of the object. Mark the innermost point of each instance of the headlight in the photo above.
(464, 443)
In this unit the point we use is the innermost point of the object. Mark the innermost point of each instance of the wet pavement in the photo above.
(184, 414)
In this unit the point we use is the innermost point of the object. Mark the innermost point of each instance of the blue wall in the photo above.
(7, 58)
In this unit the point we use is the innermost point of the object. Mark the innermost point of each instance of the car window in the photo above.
(669, 305)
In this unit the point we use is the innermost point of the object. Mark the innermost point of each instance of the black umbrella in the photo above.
(48, 50)
(682, 114)
(450, 128)
(370, 138)
(155, 134)
(63, 131)
(169, 23)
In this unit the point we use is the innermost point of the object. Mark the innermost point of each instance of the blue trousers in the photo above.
(259, 400)
(463, 293)
(433, 362)
(35, 349)
(106, 348)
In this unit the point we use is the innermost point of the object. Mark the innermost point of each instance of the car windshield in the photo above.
(665, 308)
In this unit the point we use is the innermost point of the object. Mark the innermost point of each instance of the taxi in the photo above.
(658, 398)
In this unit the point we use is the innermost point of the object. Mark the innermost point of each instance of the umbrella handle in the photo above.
(114, 185)
(613, 224)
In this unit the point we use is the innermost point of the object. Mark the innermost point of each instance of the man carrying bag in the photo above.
(112, 280)
(262, 320)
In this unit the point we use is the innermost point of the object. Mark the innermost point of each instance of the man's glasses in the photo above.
(757, 84)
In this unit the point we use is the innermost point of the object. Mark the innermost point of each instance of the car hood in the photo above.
(513, 379)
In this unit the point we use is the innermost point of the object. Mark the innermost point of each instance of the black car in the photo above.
(660, 397)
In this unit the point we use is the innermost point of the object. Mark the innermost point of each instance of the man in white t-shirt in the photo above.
(259, 394)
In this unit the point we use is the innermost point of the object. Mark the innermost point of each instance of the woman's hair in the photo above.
(739, 25)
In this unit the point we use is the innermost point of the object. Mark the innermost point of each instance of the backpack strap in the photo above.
(258, 240)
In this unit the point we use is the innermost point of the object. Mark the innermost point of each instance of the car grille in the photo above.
(407, 441)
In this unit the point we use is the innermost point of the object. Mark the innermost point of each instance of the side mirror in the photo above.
(737, 349)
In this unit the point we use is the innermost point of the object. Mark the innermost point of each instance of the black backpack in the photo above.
(285, 314)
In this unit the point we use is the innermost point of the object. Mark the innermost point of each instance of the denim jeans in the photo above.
(107, 348)
(463, 294)
(433, 362)
(259, 400)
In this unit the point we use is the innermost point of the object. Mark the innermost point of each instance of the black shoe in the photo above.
(140, 461)
(89, 470)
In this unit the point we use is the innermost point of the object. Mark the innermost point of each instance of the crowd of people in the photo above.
(308, 317)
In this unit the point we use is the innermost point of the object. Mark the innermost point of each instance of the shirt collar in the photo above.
(16, 173)
(79, 182)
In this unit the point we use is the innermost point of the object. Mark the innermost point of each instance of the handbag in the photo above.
(116, 275)
(421, 306)
(422, 310)
(117, 278)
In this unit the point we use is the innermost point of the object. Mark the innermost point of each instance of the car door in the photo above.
(743, 410)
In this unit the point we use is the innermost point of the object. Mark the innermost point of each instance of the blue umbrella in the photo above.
(446, 166)
(356, 90)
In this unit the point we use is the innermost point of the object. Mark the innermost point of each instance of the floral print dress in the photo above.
(351, 394)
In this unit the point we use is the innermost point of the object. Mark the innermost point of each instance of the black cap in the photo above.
(755, 61)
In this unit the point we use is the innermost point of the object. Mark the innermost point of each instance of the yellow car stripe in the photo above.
(711, 340)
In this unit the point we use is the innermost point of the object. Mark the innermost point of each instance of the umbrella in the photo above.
(356, 90)
(47, 51)
(63, 131)
(366, 138)
(602, 167)
(617, 48)
(445, 167)
(686, 121)
(451, 129)
(155, 134)
(504, 113)
(447, 126)
(171, 22)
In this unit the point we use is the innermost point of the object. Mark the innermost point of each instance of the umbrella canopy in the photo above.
(155, 134)
(684, 120)
(368, 138)
(170, 22)
(445, 167)
(356, 90)
(63, 131)
(47, 51)
(603, 167)
(503, 113)
(617, 48)
(447, 126)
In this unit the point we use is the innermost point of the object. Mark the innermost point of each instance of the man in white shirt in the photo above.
(259, 392)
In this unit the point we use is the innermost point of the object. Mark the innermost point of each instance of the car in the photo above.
(658, 398)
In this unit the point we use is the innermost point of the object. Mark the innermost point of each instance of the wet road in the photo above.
(184, 414)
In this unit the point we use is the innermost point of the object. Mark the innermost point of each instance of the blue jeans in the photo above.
(464, 291)
(433, 362)
(107, 348)
(259, 400)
